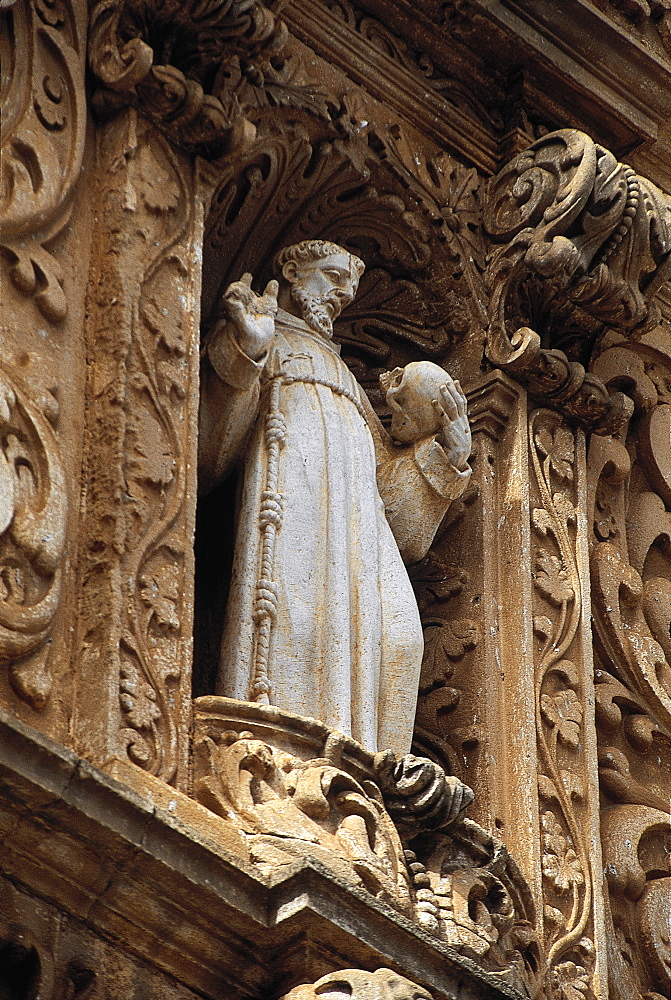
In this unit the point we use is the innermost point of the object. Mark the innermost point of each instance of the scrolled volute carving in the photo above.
(43, 129)
(586, 242)
(289, 807)
(166, 58)
(202, 73)
(33, 511)
(418, 794)
(296, 790)
(356, 984)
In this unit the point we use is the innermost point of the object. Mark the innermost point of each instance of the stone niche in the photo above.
(509, 198)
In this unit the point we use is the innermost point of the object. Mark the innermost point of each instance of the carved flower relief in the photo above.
(551, 578)
(563, 711)
(558, 447)
(561, 865)
(569, 981)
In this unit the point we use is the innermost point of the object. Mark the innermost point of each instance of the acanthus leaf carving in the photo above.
(141, 338)
(598, 239)
(202, 73)
(355, 984)
(630, 558)
(33, 513)
(294, 185)
(44, 122)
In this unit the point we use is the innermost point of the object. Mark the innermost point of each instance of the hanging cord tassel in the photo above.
(270, 521)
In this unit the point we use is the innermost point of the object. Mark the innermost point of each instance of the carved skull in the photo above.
(410, 393)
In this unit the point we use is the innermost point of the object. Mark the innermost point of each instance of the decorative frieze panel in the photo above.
(135, 558)
(563, 696)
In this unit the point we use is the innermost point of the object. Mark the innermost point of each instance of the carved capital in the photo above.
(585, 242)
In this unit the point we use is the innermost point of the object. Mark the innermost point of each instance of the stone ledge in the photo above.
(174, 893)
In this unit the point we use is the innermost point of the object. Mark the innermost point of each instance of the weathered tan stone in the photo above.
(503, 172)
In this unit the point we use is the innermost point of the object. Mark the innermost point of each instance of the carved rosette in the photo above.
(33, 511)
(43, 127)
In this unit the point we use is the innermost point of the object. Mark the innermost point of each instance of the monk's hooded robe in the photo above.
(346, 641)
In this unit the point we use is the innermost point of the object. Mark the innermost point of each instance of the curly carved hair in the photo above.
(308, 250)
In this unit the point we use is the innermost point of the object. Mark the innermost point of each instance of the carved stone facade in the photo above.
(509, 195)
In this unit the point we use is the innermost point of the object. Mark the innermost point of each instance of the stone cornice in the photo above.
(410, 95)
(146, 864)
(618, 91)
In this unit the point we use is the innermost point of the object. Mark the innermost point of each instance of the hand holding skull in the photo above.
(455, 433)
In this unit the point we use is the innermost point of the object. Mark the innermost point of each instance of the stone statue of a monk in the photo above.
(321, 617)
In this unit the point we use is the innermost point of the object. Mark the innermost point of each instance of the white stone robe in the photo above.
(346, 645)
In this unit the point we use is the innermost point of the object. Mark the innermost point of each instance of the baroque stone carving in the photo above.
(417, 230)
(394, 826)
(33, 511)
(385, 41)
(586, 241)
(135, 567)
(631, 566)
(199, 72)
(560, 698)
(355, 984)
(272, 379)
(44, 121)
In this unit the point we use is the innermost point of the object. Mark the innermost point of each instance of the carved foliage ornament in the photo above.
(631, 601)
(355, 984)
(135, 566)
(392, 825)
(43, 125)
(289, 806)
(416, 235)
(201, 72)
(33, 509)
(567, 877)
(598, 239)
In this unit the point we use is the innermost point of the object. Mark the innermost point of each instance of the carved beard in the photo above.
(313, 311)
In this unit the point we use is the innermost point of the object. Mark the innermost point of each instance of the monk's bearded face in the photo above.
(321, 290)
(314, 310)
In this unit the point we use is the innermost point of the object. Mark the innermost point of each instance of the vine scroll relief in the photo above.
(560, 706)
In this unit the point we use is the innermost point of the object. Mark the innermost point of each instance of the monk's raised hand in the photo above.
(252, 315)
(452, 412)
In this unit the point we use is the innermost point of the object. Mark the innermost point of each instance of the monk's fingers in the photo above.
(246, 279)
(449, 401)
(462, 402)
(271, 289)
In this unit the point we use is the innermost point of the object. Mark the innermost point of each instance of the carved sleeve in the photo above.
(417, 483)
(228, 405)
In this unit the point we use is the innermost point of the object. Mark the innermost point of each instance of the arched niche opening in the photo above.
(410, 213)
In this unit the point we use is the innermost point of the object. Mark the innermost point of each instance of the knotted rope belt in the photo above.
(270, 521)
